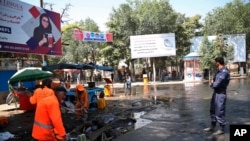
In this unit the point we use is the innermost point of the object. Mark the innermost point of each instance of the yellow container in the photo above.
(145, 79)
(107, 90)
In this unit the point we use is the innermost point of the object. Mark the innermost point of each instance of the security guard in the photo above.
(218, 101)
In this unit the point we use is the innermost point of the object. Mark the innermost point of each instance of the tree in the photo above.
(77, 51)
(233, 18)
(206, 53)
(209, 50)
(186, 29)
(137, 18)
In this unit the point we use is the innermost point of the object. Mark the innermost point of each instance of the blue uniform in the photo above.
(218, 101)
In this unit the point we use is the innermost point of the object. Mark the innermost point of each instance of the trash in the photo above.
(88, 129)
(140, 122)
(94, 128)
(70, 106)
(130, 123)
(108, 118)
(122, 130)
(82, 137)
(5, 136)
(137, 104)
(138, 114)
(73, 139)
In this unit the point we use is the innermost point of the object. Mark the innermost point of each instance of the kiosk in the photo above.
(192, 69)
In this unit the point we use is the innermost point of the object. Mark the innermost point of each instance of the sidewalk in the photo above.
(5, 107)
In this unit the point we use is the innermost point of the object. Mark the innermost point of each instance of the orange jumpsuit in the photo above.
(48, 120)
(41, 93)
(82, 103)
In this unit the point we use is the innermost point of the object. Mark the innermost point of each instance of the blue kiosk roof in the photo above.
(191, 55)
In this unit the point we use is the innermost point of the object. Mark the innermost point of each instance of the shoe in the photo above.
(219, 132)
(209, 129)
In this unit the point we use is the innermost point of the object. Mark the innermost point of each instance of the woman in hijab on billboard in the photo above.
(43, 33)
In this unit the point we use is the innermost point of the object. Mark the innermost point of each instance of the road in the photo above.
(185, 117)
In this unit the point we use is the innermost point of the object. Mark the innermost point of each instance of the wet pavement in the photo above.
(188, 113)
(178, 111)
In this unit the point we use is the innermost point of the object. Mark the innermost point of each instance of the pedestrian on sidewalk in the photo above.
(218, 102)
(127, 84)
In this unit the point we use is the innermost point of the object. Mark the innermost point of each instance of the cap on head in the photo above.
(79, 87)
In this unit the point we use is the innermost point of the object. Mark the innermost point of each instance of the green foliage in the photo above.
(233, 18)
(209, 50)
(141, 17)
(206, 53)
(77, 51)
(185, 31)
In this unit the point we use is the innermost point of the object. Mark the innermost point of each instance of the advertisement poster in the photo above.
(152, 45)
(238, 41)
(80, 35)
(25, 28)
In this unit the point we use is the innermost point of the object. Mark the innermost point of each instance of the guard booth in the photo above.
(192, 69)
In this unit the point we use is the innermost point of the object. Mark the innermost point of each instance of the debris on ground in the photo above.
(5, 136)
(118, 119)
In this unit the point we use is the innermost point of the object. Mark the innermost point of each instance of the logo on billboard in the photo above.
(167, 43)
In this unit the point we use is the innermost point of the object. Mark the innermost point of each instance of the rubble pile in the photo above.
(120, 118)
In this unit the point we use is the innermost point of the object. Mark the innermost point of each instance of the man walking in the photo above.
(218, 101)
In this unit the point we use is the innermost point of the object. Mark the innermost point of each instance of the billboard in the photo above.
(92, 36)
(25, 28)
(238, 41)
(152, 45)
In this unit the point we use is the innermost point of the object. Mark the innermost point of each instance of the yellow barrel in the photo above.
(107, 90)
(145, 79)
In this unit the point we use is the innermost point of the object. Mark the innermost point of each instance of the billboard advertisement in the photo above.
(80, 35)
(238, 41)
(25, 28)
(152, 45)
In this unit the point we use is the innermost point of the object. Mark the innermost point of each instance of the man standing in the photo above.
(218, 101)
(48, 123)
(43, 92)
(128, 84)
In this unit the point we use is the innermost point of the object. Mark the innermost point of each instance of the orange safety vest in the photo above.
(83, 98)
(41, 93)
(48, 119)
(82, 103)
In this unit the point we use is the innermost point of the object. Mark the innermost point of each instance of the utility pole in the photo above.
(41, 3)
(43, 56)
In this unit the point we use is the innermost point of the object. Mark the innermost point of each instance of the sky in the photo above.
(99, 10)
